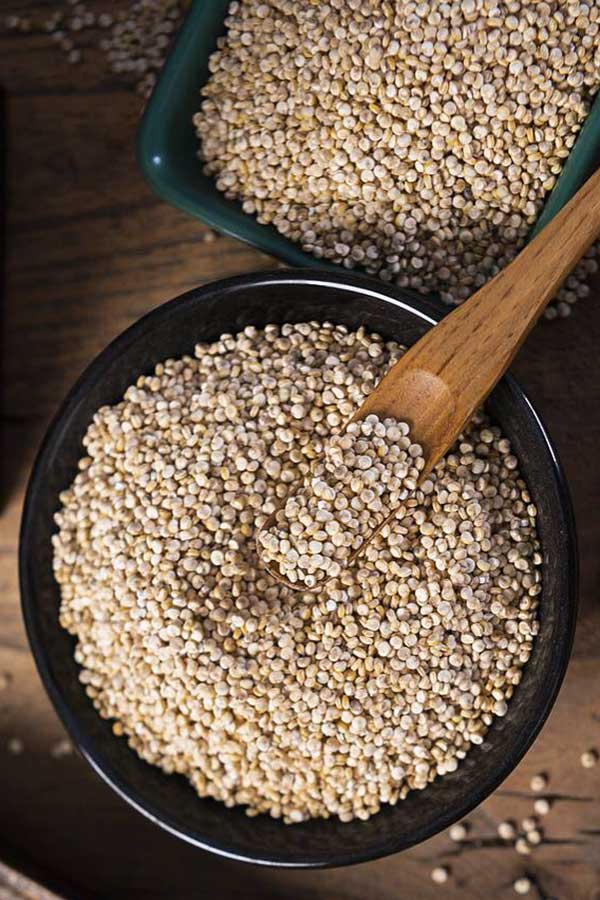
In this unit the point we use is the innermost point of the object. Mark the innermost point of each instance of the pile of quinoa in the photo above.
(290, 703)
(415, 140)
(362, 476)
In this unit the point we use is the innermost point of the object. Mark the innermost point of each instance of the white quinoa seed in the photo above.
(589, 759)
(417, 141)
(440, 874)
(293, 704)
(458, 832)
(542, 806)
(522, 846)
(539, 782)
(522, 885)
(507, 831)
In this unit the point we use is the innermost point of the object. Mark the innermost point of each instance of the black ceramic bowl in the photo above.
(172, 330)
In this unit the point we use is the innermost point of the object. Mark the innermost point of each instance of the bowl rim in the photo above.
(426, 311)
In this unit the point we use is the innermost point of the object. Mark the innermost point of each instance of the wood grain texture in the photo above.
(90, 250)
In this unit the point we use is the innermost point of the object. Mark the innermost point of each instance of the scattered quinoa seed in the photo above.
(542, 806)
(522, 846)
(522, 885)
(134, 41)
(529, 823)
(507, 831)
(539, 782)
(458, 832)
(589, 759)
(137, 43)
(440, 874)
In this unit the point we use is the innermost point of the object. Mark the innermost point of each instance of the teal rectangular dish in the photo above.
(168, 147)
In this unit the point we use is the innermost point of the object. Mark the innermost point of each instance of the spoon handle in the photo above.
(448, 373)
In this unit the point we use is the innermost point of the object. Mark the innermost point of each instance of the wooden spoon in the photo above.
(441, 380)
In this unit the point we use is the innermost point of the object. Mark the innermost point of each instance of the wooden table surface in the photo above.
(90, 249)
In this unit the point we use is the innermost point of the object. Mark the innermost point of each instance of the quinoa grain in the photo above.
(458, 833)
(539, 782)
(542, 806)
(507, 831)
(440, 874)
(522, 846)
(589, 759)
